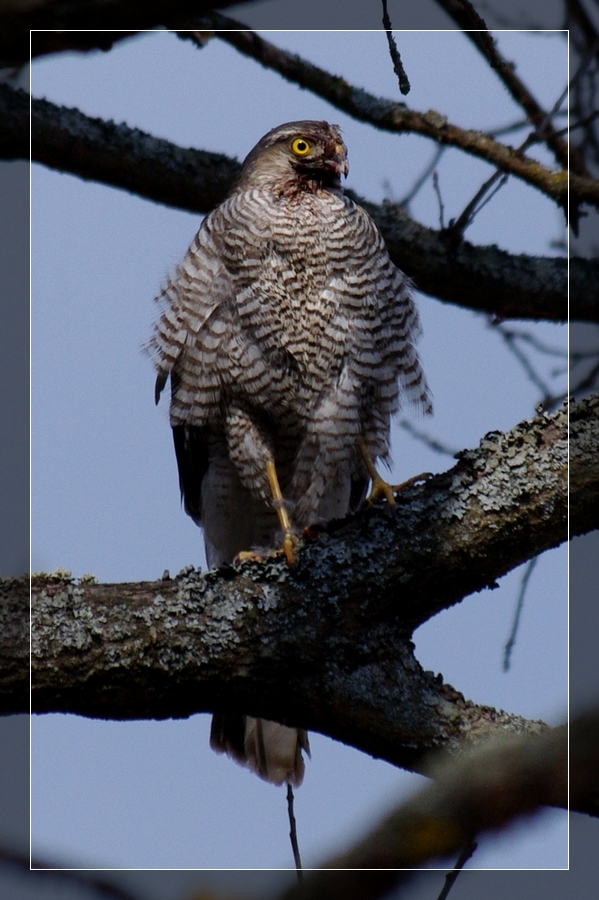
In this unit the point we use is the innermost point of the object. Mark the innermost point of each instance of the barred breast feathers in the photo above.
(313, 280)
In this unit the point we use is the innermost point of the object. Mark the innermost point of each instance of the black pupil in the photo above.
(302, 146)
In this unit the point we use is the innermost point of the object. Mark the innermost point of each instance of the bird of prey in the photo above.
(288, 336)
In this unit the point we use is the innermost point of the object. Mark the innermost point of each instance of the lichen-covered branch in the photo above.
(326, 645)
(391, 116)
(481, 278)
(255, 640)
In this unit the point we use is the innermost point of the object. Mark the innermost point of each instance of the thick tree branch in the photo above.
(327, 644)
(256, 640)
(487, 279)
(60, 25)
(123, 157)
(481, 278)
(391, 116)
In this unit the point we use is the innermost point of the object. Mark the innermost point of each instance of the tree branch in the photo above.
(123, 157)
(487, 279)
(475, 28)
(485, 790)
(397, 118)
(61, 25)
(327, 644)
(481, 278)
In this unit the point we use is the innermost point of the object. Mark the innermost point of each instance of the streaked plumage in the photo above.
(287, 333)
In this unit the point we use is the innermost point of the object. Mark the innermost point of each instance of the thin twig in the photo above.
(587, 383)
(398, 68)
(539, 346)
(293, 833)
(440, 199)
(430, 442)
(407, 199)
(499, 177)
(511, 344)
(582, 123)
(507, 653)
(451, 877)
(577, 356)
(576, 11)
(466, 217)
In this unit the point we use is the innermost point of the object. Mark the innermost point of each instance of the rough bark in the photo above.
(486, 279)
(327, 644)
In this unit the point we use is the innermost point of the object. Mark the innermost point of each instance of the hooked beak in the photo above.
(338, 160)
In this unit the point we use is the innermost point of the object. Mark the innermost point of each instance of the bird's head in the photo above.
(305, 154)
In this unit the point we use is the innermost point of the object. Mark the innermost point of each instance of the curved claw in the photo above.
(249, 556)
(288, 549)
(380, 487)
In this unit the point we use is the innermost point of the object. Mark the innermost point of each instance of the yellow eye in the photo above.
(300, 146)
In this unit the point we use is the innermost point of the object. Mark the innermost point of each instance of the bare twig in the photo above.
(510, 340)
(540, 346)
(587, 383)
(466, 217)
(407, 199)
(583, 96)
(576, 13)
(439, 200)
(499, 178)
(451, 877)
(581, 123)
(293, 833)
(519, 606)
(398, 67)
(432, 443)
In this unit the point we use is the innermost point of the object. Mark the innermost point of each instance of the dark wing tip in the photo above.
(158, 388)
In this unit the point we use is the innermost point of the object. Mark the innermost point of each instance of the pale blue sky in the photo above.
(105, 492)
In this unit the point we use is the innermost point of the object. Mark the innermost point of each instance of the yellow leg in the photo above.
(380, 487)
(289, 539)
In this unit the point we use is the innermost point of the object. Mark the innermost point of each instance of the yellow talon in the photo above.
(249, 556)
(288, 548)
(380, 487)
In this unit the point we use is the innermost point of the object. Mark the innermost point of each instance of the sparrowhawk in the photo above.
(288, 335)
